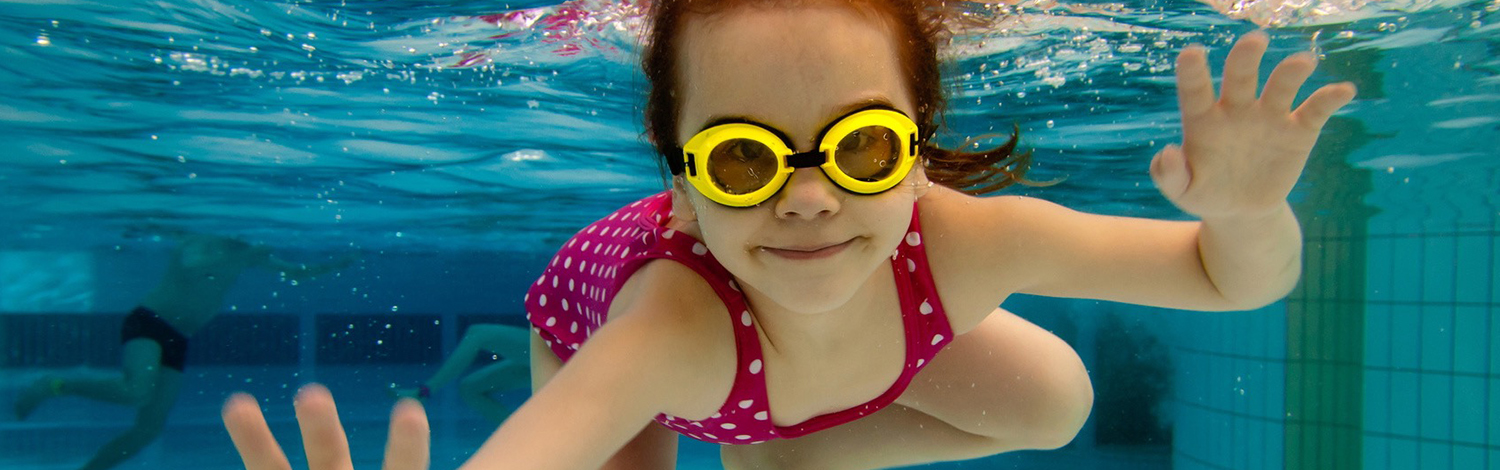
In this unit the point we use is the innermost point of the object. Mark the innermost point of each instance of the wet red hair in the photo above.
(920, 26)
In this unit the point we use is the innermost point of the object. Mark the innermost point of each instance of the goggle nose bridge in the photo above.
(809, 159)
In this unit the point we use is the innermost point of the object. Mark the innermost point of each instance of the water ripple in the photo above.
(476, 124)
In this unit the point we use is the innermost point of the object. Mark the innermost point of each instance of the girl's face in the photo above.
(812, 246)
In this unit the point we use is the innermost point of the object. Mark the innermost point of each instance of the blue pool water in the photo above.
(449, 146)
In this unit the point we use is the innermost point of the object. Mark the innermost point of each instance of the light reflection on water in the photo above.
(466, 126)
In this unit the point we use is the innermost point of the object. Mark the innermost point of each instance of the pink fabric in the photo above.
(571, 299)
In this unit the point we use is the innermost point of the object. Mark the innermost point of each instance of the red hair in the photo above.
(919, 26)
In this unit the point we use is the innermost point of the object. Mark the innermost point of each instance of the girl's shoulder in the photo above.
(975, 250)
(672, 304)
(962, 225)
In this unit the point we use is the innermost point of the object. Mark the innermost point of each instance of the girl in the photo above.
(807, 296)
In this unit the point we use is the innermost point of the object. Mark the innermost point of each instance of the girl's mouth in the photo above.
(808, 252)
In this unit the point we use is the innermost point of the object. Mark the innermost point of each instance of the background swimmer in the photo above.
(511, 372)
(202, 270)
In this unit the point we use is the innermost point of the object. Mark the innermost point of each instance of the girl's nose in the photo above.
(808, 195)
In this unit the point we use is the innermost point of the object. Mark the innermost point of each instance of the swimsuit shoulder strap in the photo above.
(921, 307)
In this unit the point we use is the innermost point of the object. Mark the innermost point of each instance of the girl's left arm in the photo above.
(1240, 157)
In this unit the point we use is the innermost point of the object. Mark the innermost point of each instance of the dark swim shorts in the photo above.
(144, 323)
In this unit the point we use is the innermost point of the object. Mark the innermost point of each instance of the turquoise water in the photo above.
(450, 146)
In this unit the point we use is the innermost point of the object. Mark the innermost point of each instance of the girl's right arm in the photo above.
(652, 358)
(654, 448)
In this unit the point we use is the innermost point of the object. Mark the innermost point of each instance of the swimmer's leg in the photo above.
(36, 393)
(133, 386)
(477, 389)
(1006, 385)
(149, 421)
(512, 342)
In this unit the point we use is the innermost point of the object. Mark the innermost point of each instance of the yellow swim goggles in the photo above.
(741, 163)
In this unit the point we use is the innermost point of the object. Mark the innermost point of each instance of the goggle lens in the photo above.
(869, 154)
(741, 166)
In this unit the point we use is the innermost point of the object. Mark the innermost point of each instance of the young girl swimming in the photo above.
(807, 296)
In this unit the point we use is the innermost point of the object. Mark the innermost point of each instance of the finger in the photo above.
(1170, 172)
(1285, 80)
(406, 447)
(1242, 69)
(1314, 112)
(1195, 87)
(247, 428)
(322, 436)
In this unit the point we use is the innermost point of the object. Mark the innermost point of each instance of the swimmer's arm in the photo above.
(266, 259)
(632, 369)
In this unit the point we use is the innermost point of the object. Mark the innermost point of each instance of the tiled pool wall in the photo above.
(1272, 388)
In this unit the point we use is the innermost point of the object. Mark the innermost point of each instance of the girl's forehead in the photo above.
(794, 69)
(832, 114)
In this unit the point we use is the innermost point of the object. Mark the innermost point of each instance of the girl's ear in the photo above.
(682, 208)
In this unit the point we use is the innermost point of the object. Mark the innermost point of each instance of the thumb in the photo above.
(1170, 172)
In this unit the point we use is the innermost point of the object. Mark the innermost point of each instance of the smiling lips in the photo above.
(808, 252)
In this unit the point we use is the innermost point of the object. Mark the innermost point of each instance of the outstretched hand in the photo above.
(1241, 155)
(322, 436)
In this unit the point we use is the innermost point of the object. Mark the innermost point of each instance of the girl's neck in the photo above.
(791, 332)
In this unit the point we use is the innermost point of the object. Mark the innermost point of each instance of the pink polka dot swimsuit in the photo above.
(572, 297)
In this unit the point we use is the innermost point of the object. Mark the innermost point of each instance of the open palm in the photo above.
(1241, 154)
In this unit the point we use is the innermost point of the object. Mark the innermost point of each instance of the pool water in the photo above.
(449, 147)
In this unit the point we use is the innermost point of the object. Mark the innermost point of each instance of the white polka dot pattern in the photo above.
(587, 272)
